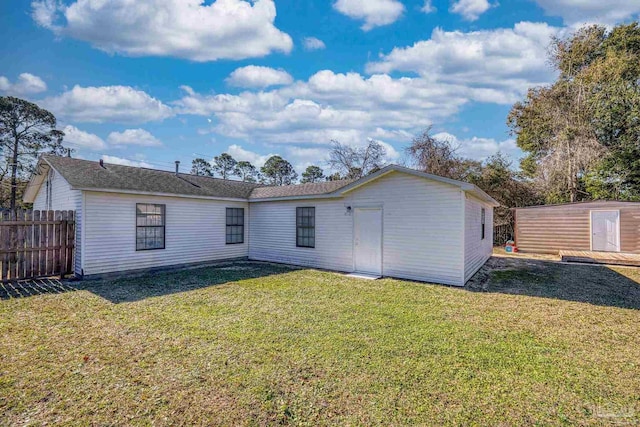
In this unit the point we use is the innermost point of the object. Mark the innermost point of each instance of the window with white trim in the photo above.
(483, 215)
(306, 227)
(235, 226)
(150, 226)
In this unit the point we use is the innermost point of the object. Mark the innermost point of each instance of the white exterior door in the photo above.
(368, 240)
(605, 231)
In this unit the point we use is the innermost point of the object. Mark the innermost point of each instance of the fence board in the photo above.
(5, 245)
(42, 261)
(50, 242)
(20, 245)
(28, 243)
(36, 244)
(57, 255)
(13, 242)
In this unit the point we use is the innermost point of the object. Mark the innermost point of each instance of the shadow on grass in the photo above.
(598, 285)
(30, 288)
(130, 289)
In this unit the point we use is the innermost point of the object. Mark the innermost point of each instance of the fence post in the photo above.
(72, 243)
(4, 236)
(13, 262)
(36, 243)
(63, 245)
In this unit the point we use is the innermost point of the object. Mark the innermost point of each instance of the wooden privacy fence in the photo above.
(36, 244)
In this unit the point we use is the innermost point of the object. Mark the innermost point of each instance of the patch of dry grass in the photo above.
(268, 345)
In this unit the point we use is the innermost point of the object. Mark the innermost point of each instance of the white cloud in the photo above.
(126, 162)
(139, 137)
(481, 148)
(346, 107)
(253, 76)
(499, 65)
(428, 7)
(374, 13)
(303, 157)
(312, 43)
(121, 104)
(45, 12)
(75, 138)
(450, 70)
(470, 9)
(240, 154)
(190, 29)
(578, 12)
(25, 85)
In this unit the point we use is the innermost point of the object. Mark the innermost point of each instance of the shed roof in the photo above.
(582, 205)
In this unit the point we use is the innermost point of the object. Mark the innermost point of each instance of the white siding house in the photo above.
(195, 232)
(478, 244)
(396, 222)
(422, 229)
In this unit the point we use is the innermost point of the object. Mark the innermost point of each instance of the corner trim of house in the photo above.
(83, 230)
(463, 237)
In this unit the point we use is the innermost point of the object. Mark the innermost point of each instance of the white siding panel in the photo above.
(273, 234)
(60, 198)
(476, 250)
(422, 229)
(195, 232)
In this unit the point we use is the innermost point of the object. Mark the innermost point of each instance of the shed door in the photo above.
(368, 240)
(605, 231)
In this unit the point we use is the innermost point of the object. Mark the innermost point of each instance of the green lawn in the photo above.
(263, 345)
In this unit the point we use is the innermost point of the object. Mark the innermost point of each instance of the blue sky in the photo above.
(147, 82)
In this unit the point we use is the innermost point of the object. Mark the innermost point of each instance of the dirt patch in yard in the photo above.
(524, 275)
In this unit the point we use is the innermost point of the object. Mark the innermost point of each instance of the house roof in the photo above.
(91, 175)
(311, 189)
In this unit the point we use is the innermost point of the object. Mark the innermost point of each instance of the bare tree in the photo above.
(355, 162)
(439, 157)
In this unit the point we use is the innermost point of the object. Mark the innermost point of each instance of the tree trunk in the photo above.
(14, 172)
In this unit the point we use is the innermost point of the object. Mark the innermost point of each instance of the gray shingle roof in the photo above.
(87, 174)
(312, 189)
